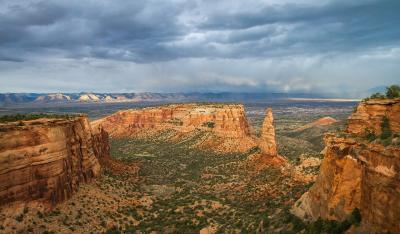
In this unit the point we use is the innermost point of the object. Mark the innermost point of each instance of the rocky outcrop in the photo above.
(226, 125)
(356, 173)
(227, 122)
(267, 141)
(370, 114)
(45, 160)
(224, 120)
(307, 169)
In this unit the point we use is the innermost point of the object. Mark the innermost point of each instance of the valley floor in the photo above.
(180, 190)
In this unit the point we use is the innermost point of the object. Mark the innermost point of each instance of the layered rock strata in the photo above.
(225, 121)
(45, 160)
(267, 141)
(101, 145)
(370, 114)
(356, 173)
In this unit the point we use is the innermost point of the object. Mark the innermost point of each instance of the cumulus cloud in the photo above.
(179, 45)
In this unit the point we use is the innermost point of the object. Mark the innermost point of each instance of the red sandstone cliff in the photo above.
(369, 116)
(101, 145)
(46, 160)
(225, 121)
(356, 173)
(267, 141)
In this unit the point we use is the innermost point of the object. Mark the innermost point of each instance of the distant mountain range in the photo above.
(15, 99)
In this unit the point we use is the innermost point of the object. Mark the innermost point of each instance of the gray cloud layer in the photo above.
(198, 45)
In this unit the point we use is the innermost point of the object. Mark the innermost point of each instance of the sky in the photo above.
(307, 46)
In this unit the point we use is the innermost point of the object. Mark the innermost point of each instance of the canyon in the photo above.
(225, 126)
(44, 161)
(359, 173)
(207, 152)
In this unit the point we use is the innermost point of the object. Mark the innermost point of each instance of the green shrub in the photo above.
(386, 131)
(20, 217)
(113, 230)
(333, 226)
(370, 135)
(254, 150)
(387, 141)
(48, 232)
(208, 124)
(393, 91)
(355, 217)
(328, 226)
(377, 96)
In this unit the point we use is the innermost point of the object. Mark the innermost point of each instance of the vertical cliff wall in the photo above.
(101, 145)
(46, 160)
(357, 173)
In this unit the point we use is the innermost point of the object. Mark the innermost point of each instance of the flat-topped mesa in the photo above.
(45, 160)
(357, 173)
(223, 119)
(369, 116)
(267, 141)
(226, 121)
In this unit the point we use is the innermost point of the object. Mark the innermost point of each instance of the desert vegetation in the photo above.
(386, 138)
(183, 189)
(392, 92)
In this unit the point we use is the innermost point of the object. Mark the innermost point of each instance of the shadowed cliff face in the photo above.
(225, 125)
(46, 160)
(356, 173)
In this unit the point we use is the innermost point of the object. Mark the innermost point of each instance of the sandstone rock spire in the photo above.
(267, 140)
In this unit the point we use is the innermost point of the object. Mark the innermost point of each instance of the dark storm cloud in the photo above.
(150, 31)
(332, 27)
(116, 29)
(178, 45)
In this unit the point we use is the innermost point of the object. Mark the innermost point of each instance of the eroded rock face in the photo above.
(356, 173)
(46, 160)
(101, 145)
(227, 122)
(224, 120)
(337, 190)
(369, 116)
(267, 141)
